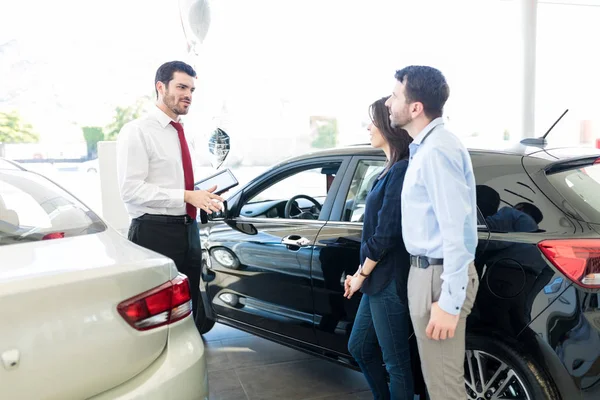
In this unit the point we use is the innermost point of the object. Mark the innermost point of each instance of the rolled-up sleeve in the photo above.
(132, 172)
(450, 195)
(388, 232)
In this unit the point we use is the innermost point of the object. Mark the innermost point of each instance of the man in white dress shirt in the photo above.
(156, 177)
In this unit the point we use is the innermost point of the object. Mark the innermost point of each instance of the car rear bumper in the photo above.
(179, 373)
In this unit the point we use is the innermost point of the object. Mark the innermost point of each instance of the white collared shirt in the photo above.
(149, 166)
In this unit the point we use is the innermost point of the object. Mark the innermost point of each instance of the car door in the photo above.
(259, 264)
(337, 254)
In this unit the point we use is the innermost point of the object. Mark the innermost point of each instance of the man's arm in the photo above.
(450, 195)
(132, 171)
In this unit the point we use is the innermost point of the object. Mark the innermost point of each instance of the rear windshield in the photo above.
(32, 208)
(581, 188)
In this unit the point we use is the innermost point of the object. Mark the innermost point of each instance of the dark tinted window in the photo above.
(507, 198)
(581, 189)
(32, 208)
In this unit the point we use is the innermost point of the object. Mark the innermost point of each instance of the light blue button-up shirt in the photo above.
(439, 209)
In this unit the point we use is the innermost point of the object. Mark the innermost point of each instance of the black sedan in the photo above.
(275, 262)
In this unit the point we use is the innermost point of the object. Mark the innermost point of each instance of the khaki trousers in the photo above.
(442, 361)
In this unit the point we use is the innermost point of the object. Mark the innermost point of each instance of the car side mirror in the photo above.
(219, 215)
(218, 147)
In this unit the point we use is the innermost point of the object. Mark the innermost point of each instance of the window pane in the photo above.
(364, 178)
(33, 208)
(314, 182)
(581, 188)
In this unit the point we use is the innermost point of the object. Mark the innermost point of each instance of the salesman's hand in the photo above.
(441, 324)
(204, 199)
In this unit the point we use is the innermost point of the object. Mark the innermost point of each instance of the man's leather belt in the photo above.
(425, 262)
(167, 219)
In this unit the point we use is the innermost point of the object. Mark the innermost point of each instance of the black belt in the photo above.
(166, 219)
(425, 262)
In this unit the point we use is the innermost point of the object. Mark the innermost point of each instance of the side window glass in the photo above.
(309, 187)
(363, 180)
(504, 214)
(508, 199)
(481, 225)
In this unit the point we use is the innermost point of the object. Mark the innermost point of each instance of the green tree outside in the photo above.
(125, 114)
(326, 133)
(92, 135)
(14, 130)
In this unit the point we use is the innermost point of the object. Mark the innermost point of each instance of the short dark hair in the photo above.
(426, 85)
(165, 72)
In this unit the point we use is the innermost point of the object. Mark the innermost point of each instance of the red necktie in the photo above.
(188, 171)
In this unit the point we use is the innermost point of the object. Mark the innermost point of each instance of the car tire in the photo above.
(203, 323)
(520, 374)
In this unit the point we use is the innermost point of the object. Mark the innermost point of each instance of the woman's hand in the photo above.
(349, 279)
(353, 283)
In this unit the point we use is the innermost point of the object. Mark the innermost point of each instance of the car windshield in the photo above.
(581, 188)
(32, 208)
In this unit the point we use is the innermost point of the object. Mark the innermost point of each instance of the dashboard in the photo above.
(275, 208)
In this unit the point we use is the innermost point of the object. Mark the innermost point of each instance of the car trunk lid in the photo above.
(62, 335)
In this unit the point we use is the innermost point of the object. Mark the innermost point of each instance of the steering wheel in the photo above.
(303, 214)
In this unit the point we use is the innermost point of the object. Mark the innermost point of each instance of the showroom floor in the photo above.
(245, 367)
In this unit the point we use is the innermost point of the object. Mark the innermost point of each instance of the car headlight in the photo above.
(225, 257)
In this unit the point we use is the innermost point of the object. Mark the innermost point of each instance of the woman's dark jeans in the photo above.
(380, 335)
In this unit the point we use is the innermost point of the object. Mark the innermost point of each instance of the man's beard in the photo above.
(172, 104)
(400, 122)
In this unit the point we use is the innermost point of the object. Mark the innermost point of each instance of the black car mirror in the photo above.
(219, 215)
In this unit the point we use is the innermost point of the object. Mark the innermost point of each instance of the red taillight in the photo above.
(162, 305)
(54, 235)
(578, 259)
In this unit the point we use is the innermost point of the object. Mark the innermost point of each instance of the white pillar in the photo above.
(113, 212)
(528, 29)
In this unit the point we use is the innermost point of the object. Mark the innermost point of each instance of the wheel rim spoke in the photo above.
(478, 358)
(492, 380)
(504, 382)
(471, 384)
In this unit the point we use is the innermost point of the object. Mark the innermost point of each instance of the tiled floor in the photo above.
(245, 367)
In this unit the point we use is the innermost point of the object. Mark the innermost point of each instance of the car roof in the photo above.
(11, 165)
(549, 154)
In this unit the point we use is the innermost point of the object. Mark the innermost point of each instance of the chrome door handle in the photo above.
(295, 240)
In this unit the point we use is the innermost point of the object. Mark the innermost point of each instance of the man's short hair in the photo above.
(166, 71)
(427, 86)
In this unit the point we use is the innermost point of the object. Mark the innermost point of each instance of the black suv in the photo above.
(275, 264)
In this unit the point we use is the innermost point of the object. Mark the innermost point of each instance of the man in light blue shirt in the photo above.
(439, 225)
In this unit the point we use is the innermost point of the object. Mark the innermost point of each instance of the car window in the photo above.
(313, 181)
(581, 188)
(364, 178)
(32, 208)
(481, 224)
(507, 198)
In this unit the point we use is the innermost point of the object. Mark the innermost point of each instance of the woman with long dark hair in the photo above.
(381, 329)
